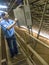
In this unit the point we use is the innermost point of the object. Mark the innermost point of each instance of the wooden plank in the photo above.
(4, 60)
(33, 51)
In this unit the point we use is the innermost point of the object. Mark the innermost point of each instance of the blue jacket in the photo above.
(4, 24)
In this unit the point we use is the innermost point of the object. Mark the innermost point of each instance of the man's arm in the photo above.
(9, 27)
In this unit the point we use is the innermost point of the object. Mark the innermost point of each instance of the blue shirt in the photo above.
(4, 24)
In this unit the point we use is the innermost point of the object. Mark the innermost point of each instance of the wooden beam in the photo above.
(32, 50)
(4, 60)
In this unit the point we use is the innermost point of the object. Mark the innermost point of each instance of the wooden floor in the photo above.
(19, 59)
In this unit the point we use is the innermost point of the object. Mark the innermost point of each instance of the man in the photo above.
(7, 26)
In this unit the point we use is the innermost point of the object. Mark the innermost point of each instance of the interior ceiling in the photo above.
(37, 8)
(4, 2)
(8, 3)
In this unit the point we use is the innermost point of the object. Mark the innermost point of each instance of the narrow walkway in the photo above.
(19, 59)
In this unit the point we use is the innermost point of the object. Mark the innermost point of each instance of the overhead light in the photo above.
(1, 11)
(3, 6)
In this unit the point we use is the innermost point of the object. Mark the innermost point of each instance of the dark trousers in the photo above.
(12, 45)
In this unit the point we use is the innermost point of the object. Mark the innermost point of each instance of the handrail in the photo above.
(35, 39)
(38, 40)
(25, 53)
(4, 60)
(32, 50)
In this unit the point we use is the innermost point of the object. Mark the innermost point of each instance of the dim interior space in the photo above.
(24, 32)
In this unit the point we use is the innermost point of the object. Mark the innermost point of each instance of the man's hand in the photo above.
(16, 20)
(12, 25)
